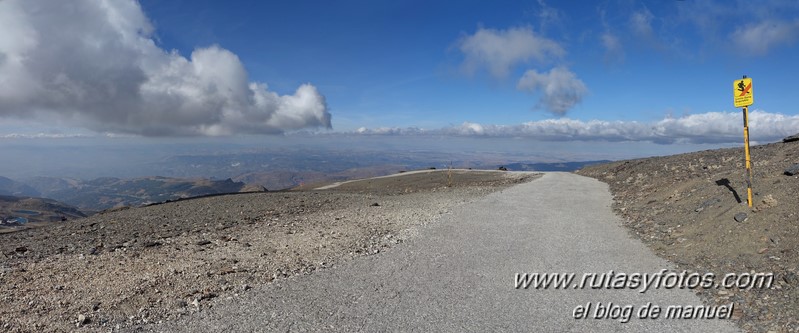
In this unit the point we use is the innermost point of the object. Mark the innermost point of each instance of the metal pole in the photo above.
(748, 158)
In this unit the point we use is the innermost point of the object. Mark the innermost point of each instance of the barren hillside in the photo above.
(157, 263)
(685, 206)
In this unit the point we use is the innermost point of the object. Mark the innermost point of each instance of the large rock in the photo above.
(791, 138)
(793, 170)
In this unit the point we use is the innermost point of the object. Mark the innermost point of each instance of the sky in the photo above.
(658, 72)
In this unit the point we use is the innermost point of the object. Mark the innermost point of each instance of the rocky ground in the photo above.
(157, 263)
(691, 209)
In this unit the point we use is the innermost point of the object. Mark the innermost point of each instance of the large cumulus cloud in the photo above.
(560, 88)
(94, 63)
(500, 51)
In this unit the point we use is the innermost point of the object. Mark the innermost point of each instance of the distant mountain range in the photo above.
(105, 193)
(14, 188)
(252, 172)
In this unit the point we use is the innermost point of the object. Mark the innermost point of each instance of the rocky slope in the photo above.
(691, 209)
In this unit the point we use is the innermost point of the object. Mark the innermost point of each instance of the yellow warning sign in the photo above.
(742, 92)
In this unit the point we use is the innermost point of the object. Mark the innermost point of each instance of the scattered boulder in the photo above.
(82, 320)
(791, 138)
(502, 168)
(21, 249)
(375, 204)
(203, 242)
(740, 217)
(790, 278)
(793, 170)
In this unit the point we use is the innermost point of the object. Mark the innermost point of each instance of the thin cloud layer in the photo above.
(500, 50)
(759, 38)
(641, 23)
(95, 64)
(711, 127)
(614, 50)
(696, 28)
(560, 89)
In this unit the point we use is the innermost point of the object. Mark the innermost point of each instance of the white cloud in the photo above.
(500, 50)
(759, 38)
(547, 16)
(42, 136)
(711, 127)
(614, 51)
(99, 67)
(641, 23)
(560, 89)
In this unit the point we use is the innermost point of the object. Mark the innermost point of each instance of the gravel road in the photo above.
(458, 274)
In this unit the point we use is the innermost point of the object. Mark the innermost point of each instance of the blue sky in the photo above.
(639, 71)
(381, 63)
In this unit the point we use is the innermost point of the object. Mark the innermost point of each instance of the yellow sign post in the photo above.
(743, 96)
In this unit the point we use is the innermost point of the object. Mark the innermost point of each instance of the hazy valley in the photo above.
(180, 176)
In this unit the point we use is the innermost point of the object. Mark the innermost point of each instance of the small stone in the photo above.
(769, 201)
(82, 320)
(21, 249)
(740, 217)
(793, 170)
(737, 313)
(203, 242)
(208, 295)
(790, 278)
(96, 306)
(763, 250)
(375, 204)
(152, 244)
